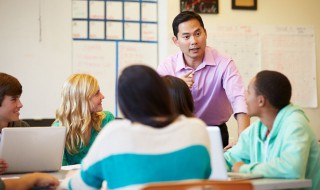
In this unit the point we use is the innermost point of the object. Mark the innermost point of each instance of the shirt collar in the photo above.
(207, 60)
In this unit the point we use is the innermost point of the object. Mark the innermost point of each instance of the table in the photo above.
(268, 183)
(259, 184)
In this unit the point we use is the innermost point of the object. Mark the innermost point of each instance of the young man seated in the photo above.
(10, 105)
(281, 143)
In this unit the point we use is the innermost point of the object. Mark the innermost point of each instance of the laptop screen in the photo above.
(30, 149)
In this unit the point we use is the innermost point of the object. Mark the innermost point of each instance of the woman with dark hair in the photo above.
(180, 94)
(152, 144)
(281, 144)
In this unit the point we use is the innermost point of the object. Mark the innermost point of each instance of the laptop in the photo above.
(32, 149)
(218, 163)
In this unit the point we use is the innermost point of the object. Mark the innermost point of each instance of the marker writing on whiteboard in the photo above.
(40, 22)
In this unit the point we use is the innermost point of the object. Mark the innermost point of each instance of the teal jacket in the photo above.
(69, 159)
(290, 150)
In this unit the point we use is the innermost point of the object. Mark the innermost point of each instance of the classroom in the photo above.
(44, 51)
(43, 42)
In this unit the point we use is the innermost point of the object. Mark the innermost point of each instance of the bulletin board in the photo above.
(109, 35)
(285, 48)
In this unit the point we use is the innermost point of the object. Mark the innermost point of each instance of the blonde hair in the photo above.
(74, 111)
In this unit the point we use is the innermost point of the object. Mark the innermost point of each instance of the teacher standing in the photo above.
(214, 81)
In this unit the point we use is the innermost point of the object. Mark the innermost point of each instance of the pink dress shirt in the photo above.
(218, 88)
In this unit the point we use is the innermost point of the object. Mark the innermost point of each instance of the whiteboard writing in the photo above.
(132, 31)
(242, 44)
(132, 11)
(114, 30)
(149, 12)
(96, 30)
(291, 50)
(149, 32)
(98, 59)
(114, 10)
(79, 29)
(287, 49)
(79, 9)
(96, 9)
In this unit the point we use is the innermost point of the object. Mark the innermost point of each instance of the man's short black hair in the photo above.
(275, 86)
(183, 17)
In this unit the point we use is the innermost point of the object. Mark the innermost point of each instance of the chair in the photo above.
(200, 185)
(39, 122)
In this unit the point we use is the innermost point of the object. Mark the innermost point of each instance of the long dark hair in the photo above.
(180, 94)
(143, 97)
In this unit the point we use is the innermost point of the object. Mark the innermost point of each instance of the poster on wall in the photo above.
(244, 4)
(200, 6)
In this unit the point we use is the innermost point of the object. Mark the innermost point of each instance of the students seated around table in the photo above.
(180, 94)
(82, 113)
(152, 144)
(29, 181)
(281, 144)
(10, 105)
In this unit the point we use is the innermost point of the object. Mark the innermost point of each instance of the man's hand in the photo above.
(236, 166)
(243, 121)
(188, 79)
(3, 166)
(230, 145)
(32, 180)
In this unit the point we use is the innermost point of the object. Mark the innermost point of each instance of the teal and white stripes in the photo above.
(126, 154)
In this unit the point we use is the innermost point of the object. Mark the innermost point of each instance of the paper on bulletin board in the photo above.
(132, 11)
(96, 30)
(149, 32)
(114, 30)
(149, 12)
(96, 9)
(79, 9)
(98, 58)
(114, 10)
(291, 50)
(287, 49)
(242, 43)
(79, 29)
(135, 53)
(132, 31)
(131, 53)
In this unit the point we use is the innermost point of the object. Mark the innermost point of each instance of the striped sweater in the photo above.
(128, 155)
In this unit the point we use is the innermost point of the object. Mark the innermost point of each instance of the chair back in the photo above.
(200, 185)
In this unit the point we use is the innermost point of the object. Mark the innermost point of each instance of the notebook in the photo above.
(218, 163)
(30, 149)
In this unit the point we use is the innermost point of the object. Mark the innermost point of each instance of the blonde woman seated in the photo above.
(82, 113)
(152, 144)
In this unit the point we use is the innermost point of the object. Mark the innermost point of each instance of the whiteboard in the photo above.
(288, 49)
(106, 59)
(111, 35)
(98, 59)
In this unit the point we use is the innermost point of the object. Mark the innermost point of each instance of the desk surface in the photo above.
(267, 183)
(259, 184)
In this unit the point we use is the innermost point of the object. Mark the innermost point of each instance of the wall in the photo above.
(35, 47)
(270, 12)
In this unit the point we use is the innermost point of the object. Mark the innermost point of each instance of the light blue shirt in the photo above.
(289, 151)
